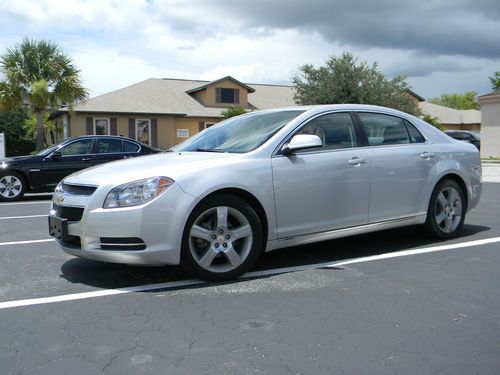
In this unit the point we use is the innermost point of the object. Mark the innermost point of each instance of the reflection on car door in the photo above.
(74, 157)
(322, 189)
(401, 162)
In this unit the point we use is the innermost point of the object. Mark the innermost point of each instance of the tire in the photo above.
(222, 240)
(12, 186)
(447, 209)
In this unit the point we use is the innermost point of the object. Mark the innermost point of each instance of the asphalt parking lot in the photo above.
(389, 302)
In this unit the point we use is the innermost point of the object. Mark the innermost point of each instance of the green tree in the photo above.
(345, 79)
(433, 121)
(41, 75)
(233, 111)
(12, 125)
(495, 81)
(51, 131)
(457, 101)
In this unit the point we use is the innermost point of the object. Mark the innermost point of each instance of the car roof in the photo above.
(100, 136)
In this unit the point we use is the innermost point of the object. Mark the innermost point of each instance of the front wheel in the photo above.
(446, 213)
(12, 186)
(222, 239)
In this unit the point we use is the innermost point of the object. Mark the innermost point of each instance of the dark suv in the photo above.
(43, 171)
(466, 136)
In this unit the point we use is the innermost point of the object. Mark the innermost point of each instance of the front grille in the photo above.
(122, 243)
(69, 213)
(78, 189)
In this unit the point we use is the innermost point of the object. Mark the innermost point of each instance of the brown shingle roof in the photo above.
(170, 97)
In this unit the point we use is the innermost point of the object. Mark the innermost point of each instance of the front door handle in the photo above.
(426, 155)
(357, 161)
(87, 159)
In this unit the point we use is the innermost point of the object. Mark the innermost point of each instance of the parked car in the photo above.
(43, 171)
(466, 136)
(267, 180)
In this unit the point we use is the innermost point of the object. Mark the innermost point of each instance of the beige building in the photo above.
(490, 129)
(164, 112)
(453, 119)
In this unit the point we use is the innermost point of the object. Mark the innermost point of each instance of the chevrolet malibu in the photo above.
(268, 180)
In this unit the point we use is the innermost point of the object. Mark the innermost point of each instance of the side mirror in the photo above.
(302, 142)
(56, 155)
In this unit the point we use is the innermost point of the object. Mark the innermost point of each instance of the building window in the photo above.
(143, 131)
(229, 96)
(101, 126)
(208, 124)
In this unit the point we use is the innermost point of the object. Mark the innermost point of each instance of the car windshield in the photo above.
(239, 134)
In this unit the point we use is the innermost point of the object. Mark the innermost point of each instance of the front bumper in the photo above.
(158, 225)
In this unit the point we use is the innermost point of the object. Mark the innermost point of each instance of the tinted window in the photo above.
(108, 146)
(130, 147)
(81, 147)
(336, 130)
(384, 129)
(458, 135)
(415, 135)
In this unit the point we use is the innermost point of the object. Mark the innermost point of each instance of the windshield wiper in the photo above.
(209, 150)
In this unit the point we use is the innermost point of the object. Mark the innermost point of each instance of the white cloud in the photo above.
(106, 69)
(75, 15)
(117, 43)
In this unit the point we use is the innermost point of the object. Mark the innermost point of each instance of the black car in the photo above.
(43, 171)
(468, 136)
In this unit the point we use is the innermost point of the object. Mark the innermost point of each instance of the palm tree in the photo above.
(39, 74)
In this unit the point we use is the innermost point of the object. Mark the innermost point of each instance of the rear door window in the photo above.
(415, 135)
(108, 146)
(130, 147)
(384, 129)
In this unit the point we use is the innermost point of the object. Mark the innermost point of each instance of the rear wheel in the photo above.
(222, 239)
(446, 214)
(12, 186)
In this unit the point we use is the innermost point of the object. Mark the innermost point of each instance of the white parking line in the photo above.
(20, 203)
(21, 217)
(25, 242)
(183, 283)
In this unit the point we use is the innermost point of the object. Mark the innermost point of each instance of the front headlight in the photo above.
(137, 192)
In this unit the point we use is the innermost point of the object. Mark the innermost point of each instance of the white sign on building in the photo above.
(182, 133)
(2, 146)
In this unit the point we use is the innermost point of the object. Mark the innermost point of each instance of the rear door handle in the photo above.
(426, 155)
(87, 159)
(357, 161)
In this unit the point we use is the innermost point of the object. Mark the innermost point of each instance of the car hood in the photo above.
(16, 160)
(170, 164)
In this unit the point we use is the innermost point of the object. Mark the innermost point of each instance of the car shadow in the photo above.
(113, 276)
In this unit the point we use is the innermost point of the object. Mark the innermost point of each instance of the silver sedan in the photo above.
(268, 180)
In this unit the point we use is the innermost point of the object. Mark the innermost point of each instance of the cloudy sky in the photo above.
(442, 46)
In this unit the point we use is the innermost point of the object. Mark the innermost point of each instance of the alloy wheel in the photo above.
(10, 187)
(448, 212)
(220, 239)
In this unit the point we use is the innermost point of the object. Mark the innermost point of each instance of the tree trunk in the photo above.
(40, 144)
